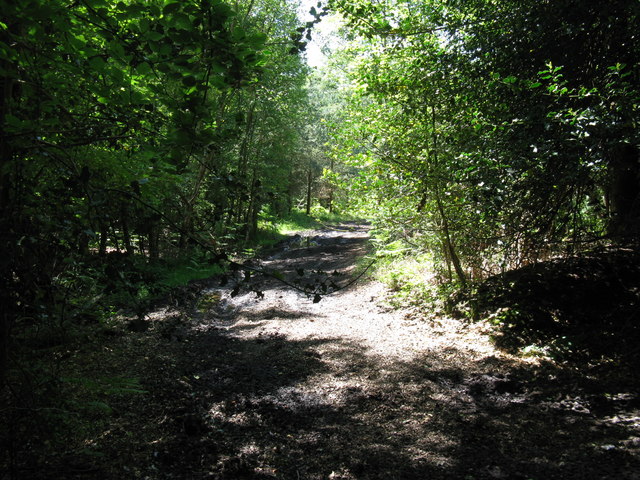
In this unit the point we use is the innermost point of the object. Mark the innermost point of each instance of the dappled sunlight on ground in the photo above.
(349, 388)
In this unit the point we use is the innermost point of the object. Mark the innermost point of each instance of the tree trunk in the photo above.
(104, 237)
(253, 206)
(623, 192)
(7, 219)
(114, 237)
(331, 188)
(83, 244)
(446, 231)
(126, 234)
(5, 332)
(309, 182)
(447, 260)
(449, 247)
(247, 138)
(154, 241)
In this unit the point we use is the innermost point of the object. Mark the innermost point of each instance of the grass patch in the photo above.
(273, 229)
(325, 217)
(183, 273)
(138, 282)
(409, 276)
(296, 221)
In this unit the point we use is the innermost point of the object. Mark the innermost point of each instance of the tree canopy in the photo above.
(496, 133)
(139, 127)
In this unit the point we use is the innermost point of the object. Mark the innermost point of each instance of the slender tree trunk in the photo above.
(190, 201)
(7, 218)
(331, 188)
(154, 241)
(623, 192)
(447, 260)
(126, 234)
(251, 217)
(247, 138)
(83, 244)
(309, 182)
(104, 238)
(446, 231)
(448, 243)
(116, 243)
(187, 227)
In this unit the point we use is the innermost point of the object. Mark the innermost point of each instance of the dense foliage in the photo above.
(496, 134)
(139, 129)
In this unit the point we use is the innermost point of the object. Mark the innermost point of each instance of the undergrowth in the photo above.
(51, 400)
(273, 229)
(409, 276)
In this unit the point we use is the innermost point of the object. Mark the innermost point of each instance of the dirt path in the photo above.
(350, 389)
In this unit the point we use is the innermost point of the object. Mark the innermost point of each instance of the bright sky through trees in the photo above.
(323, 35)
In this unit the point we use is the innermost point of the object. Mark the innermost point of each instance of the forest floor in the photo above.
(346, 388)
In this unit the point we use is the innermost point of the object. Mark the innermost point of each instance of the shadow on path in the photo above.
(269, 407)
(247, 393)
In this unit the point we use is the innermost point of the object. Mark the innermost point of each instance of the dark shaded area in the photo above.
(222, 407)
(581, 308)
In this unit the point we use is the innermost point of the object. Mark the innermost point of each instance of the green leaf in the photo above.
(216, 67)
(223, 11)
(95, 4)
(238, 34)
(154, 35)
(180, 137)
(13, 121)
(170, 8)
(257, 39)
(182, 21)
(116, 50)
(161, 48)
(135, 10)
(98, 64)
(218, 82)
(77, 41)
(144, 68)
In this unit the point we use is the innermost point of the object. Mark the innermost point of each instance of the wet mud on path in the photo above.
(348, 388)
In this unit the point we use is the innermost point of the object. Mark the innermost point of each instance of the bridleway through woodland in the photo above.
(350, 388)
